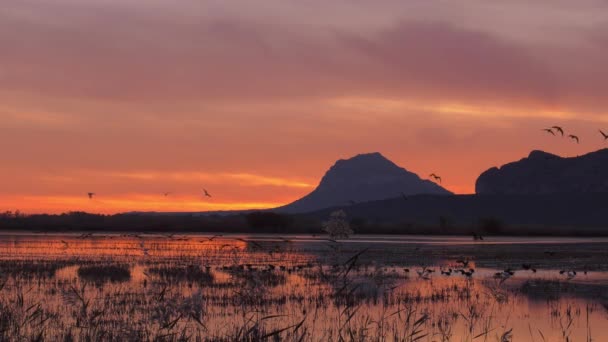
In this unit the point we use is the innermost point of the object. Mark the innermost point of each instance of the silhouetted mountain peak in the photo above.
(362, 167)
(538, 154)
(363, 178)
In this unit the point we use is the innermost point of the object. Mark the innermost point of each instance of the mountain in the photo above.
(363, 178)
(545, 173)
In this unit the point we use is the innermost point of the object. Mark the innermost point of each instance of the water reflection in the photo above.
(301, 288)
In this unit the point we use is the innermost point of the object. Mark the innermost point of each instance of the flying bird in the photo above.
(166, 194)
(90, 194)
(549, 130)
(573, 137)
(206, 193)
(437, 178)
(604, 135)
(559, 129)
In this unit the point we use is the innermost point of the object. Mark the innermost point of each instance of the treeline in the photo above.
(269, 222)
(256, 222)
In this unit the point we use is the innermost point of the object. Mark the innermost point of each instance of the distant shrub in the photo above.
(104, 273)
(337, 226)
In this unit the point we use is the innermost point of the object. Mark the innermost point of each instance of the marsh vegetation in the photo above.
(238, 288)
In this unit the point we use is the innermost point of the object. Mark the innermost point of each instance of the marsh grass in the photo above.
(249, 294)
(188, 273)
(105, 273)
(30, 269)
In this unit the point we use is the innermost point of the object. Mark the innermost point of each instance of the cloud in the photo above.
(205, 53)
(243, 179)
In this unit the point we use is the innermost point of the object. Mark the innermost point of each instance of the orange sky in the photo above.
(256, 100)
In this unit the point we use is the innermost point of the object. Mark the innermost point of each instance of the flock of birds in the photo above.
(552, 130)
(464, 268)
(166, 194)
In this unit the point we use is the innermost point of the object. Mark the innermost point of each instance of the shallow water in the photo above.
(308, 288)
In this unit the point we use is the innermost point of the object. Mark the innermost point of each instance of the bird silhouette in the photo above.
(434, 176)
(166, 194)
(574, 137)
(604, 135)
(464, 262)
(90, 194)
(503, 276)
(559, 129)
(206, 193)
(549, 130)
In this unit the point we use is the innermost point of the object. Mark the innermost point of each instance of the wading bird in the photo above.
(549, 130)
(573, 137)
(464, 262)
(604, 135)
(569, 274)
(434, 176)
(424, 273)
(504, 275)
(559, 129)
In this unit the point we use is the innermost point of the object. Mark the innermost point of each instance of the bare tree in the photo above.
(337, 226)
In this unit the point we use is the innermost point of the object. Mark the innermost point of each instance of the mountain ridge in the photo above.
(546, 173)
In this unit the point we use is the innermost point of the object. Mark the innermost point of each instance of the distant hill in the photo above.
(539, 210)
(363, 178)
(545, 173)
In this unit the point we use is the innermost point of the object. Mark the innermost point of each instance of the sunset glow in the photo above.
(255, 101)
